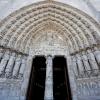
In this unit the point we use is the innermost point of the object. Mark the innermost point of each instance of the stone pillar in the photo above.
(17, 66)
(1, 53)
(22, 67)
(48, 94)
(97, 55)
(80, 64)
(75, 67)
(26, 77)
(10, 65)
(92, 61)
(85, 61)
(4, 62)
(72, 78)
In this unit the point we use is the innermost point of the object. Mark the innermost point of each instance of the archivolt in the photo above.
(19, 29)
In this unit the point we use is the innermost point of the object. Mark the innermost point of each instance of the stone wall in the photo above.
(86, 69)
(49, 28)
(12, 65)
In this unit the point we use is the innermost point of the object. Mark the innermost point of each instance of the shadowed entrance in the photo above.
(60, 78)
(61, 86)
(37, 79)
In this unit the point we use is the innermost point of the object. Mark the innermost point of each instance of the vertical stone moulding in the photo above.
(48, 94)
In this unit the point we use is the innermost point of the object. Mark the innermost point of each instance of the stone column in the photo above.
(22, 67)
(85, 61)
(93, 63)
(26, 77)
(97, 55)
(10, 65)
(1, 53)
(4, 62)
(72, 78)
(80, 64)
(86, 64)
(75, 67)
(17, 66)
(48, 94)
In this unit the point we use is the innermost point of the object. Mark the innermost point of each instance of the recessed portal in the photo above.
(61, 85)
(37, 80)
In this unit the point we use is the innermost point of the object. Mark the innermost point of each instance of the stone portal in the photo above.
(49, 79)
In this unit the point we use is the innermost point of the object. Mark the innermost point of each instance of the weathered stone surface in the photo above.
(49, 28)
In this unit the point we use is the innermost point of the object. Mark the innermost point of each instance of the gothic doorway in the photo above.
(37, 79)
(61, 86)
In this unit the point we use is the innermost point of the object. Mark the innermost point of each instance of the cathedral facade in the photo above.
(49, 32)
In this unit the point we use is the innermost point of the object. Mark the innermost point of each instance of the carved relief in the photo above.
(12, 65)
(22, 31)
(88, 87)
